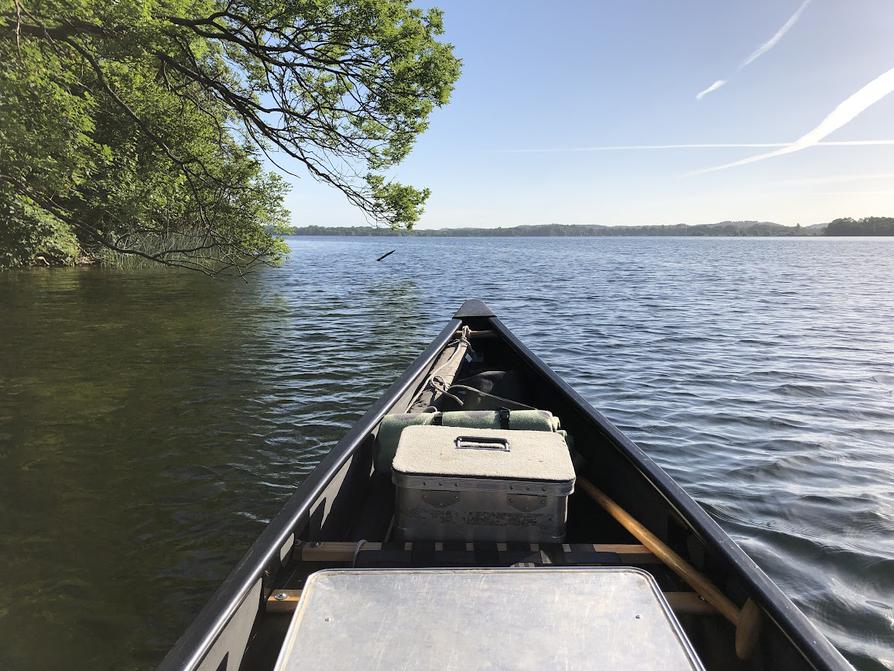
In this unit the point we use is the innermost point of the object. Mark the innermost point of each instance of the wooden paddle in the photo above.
(747, 620)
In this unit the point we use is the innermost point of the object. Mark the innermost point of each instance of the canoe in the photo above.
(625, 511)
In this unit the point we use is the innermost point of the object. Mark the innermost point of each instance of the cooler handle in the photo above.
(481, 443)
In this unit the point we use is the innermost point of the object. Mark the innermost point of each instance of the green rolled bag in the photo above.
(519, 420)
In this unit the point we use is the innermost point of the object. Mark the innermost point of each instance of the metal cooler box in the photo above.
(587, 619)
(461, 484)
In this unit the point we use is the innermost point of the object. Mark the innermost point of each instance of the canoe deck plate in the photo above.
(475, 619)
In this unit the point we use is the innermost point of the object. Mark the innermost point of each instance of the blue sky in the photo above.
(545, 82)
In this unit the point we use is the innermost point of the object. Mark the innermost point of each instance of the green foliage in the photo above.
(140, 127)
(396, 202)
(32, 235)
(865, 226)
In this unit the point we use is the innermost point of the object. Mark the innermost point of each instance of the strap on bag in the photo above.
(504, 414)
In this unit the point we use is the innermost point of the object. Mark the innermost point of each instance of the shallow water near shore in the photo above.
(152, 422)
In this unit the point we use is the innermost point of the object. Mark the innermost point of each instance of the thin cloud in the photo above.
(773, 41)
(886, 192)
(635, 147)
(762, 49)
(835, 179)
(700, 145)
(846, 112)
(713, 87)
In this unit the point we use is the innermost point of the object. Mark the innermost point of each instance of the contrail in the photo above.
(773, 41)
(700, 145)
(846, 112)
(761, 50)
(713, 87)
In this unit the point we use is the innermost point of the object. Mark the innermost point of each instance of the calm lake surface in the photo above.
(152, 422)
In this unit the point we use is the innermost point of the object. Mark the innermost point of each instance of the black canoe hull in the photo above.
(324, 503)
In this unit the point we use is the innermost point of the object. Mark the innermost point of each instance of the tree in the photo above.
(142, 127)
(865, 226)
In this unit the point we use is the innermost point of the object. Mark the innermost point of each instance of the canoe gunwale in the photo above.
(802, 633)
(262, 556)
(263, 560)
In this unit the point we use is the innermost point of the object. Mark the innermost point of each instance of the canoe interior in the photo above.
(350, 518)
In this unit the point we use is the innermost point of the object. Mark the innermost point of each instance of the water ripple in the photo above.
(151, 423)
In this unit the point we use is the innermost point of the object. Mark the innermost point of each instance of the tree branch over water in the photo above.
(141, 120)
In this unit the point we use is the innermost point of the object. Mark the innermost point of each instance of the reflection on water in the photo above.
(151, 423)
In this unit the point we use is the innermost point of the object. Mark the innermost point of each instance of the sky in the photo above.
(598, 112)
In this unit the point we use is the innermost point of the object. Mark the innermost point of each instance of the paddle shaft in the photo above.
(675, 562)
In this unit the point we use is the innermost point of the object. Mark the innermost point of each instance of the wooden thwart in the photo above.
(347, 552)
(333, 551)
(682, 603)
(689, 603)
(283, 600)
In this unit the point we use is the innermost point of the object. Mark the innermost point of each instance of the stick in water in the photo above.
(386, 254)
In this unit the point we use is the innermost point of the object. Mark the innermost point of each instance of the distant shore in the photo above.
(766, 229)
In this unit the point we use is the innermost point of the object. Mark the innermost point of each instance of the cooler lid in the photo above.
(450, 451)
(475, 619)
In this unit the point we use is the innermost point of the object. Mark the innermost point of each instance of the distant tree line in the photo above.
(721, 229)
(865, 226)
(839, 227)
(350, 231)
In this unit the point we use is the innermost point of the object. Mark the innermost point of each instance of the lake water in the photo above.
(152, 422)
